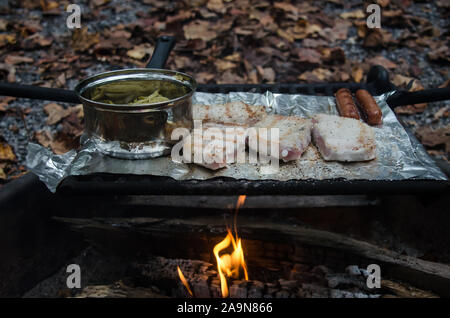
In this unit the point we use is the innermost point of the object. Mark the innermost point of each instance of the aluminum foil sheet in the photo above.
(399, 157)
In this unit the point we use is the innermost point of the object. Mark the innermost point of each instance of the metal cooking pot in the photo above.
(137, 131)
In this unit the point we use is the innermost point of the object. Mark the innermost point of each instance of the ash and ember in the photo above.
(157, 277)
(271, 41)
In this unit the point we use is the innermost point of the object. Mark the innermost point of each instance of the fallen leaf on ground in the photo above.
(83, 40)
(59, 143)
(357, 74)
(216, 6)
(44, 137)
(55, 113)
(199, 30)
(338, 32)
(316, 75)
(9, 71)
(2, 172)
(99, 3)
(403, 81)
(223, 65)
(333, 55)
(16, 59)
(267, 73)
(435, 137)
(442, 112)
(4, 101)
(6, 152)
(441, 54)
(7, 39)
(309, 56)
(381, 60)
(204, 77)
(356, 14)
(36, 41)
(140, 51)
(410, 109)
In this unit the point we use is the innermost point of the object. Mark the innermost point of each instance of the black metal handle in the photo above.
(37, 92)
(424, 96)
(164, 45)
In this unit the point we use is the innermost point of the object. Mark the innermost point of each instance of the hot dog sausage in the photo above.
(369, 107)
(345, 104)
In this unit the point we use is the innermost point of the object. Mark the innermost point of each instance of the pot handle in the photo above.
(164, 44)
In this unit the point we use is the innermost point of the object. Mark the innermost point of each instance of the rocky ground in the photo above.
(229, 41)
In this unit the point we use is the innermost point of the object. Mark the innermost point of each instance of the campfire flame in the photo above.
(184, 281)
(229, 265)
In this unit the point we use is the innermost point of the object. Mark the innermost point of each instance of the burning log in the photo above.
(118, 290)
(161, 272)
(268, 244)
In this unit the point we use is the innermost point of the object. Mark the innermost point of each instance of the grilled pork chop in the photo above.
(294, 135)
(233, 113)
(214, 147)
(343, 139)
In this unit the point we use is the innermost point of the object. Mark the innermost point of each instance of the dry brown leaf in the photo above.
(287, 7)
(199, 30)
(356, 14)
(10, 72)
(235, 57)
(253, 77)
(435, 137)
(383, 3)
(36, 41)
(55, 113)
(6, 152)
(16, 59)
(403, 81)
(268, 74)
(374, 38)
(140, 51)
(442, 112)
(381, 60)
(410, 109)
(338, 32)
(4, 101)
(309, 56)
(99, 3)
(223, 65)
(216, 6)
(7, 39)
(44, 137)
(313, 43)
(316, 75)
(441, 54)
(3, 24)
(181, 16)
(229, 77)
(333, 55)
(60, 146)
(59, 143)
(357, 74)
(304, 29)
(204, 77)
(2, 172)
(286, 34)
(445, 84)
(83, 40)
